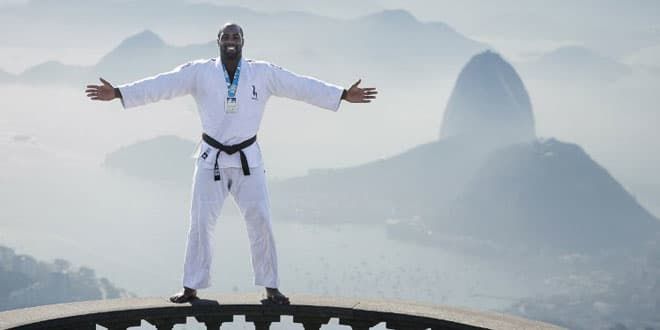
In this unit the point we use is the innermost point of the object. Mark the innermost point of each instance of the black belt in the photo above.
(232, 149)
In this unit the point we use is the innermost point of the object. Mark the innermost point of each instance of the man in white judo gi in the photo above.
(230, 93)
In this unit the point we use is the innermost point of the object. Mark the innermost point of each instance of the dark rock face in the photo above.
(489, 104)
(553, 195)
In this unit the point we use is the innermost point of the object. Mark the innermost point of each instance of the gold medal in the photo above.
(231, 106)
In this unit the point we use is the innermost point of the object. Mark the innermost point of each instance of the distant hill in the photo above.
(134, 46)
(26, 282)
(414, 183)
(146, 54)
(162, 159)
(577, 64)
(53, 72)
(139, 56)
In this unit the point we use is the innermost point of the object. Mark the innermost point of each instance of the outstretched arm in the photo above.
(285, 83)
(167, 85)
(356, 94)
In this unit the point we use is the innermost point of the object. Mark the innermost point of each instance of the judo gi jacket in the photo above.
(204, 80)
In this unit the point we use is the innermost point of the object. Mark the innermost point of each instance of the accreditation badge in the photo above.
(231, 106)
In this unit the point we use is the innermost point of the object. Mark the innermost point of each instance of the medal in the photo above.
(231, 105)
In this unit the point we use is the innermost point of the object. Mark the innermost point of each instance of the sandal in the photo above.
(279, 299)
(184, 296)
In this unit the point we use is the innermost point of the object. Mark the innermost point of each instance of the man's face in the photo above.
(230, 41)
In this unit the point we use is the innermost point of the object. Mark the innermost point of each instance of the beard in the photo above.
(229, 53)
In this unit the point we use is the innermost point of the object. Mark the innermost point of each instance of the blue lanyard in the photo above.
(233, 85)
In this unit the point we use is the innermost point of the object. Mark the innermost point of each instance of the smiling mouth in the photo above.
(231, 48)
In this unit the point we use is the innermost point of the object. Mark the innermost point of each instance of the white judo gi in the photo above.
(204, 80)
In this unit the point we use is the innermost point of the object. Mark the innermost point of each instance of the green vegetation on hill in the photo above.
(26, 282)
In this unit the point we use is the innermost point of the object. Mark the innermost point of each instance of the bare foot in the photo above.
(185, 296)
(274, 296)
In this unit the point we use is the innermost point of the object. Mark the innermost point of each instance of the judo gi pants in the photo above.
(251, 195)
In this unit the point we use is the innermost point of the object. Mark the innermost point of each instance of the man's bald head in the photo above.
(230, 41)
(230, 27)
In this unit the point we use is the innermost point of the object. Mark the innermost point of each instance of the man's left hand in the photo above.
(356, 94)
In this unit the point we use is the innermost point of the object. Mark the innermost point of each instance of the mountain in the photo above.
(144, 40)
(162, 159)
(488, 177)
(489, 104)
(400, 26)
(53, 72)
(546, 194)
(141, 55)
(415, 183)
(26, 282)
(550, 193)
(575, 64)
(392, 40)
(146, 54)
(372, 50)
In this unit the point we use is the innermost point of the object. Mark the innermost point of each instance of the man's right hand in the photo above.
(103, 92)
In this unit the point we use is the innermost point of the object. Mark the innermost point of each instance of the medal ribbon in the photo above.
(232, 85)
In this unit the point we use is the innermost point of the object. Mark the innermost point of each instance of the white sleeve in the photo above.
(302, 88)
(164, 86)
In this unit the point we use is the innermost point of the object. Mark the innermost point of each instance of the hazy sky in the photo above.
(613, 120)
(627, 31)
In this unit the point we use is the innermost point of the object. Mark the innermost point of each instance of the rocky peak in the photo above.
(489, 104)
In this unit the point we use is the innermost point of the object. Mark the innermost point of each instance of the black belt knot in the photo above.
(232, 149)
